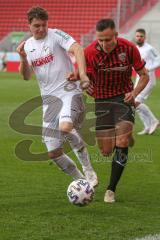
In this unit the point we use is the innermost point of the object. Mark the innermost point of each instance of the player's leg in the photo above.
(54, 138)
(105, 126)
(79, 148)
(70, 115)
(105, 130)
(124, 119)
(140, 113)
(63, 161)
(106, 140)
(145, 114)
(148, 118)
(77, 143)
(123, 133)
(106, 133)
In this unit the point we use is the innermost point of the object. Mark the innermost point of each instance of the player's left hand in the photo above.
(130, 98)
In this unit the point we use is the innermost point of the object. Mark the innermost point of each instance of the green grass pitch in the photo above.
(33, 202)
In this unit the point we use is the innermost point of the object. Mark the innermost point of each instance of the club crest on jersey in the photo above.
(46, 49)
(122, 57)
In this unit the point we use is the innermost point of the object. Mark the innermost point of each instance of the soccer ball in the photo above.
(80, 192)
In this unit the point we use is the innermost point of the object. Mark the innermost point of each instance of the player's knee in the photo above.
(123, 141)
(55, 153)
(106, 152)
(66, 127)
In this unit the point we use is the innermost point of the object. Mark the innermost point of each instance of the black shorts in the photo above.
(111, 111)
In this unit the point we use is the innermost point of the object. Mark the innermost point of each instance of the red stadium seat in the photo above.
(76, 17)
(73, 16)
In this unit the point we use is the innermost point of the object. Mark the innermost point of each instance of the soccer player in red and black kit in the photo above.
(109, 66)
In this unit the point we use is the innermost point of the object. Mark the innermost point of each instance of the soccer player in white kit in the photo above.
(46, 53)
(152, 59)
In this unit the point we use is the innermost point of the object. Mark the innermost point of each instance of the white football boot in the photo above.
(109, 196)
(91, 177)
(154, 126)
(143, 132)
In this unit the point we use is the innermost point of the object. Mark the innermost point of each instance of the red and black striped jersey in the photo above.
(110, 73)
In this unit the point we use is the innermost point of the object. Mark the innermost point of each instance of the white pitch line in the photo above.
(150, 237)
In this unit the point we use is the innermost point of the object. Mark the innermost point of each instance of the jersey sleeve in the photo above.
(64, 39)
(155, 56)
(138, 63)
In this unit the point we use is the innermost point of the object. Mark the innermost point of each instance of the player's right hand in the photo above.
(21, 51)
(72, 76)
(85, 82)
(130, 98)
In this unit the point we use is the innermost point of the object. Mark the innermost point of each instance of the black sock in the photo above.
(118, 164)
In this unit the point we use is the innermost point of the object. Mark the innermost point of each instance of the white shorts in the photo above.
(143, 95)
(67, 108)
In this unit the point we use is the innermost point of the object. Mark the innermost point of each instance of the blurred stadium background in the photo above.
(77, 18)
(33, 202)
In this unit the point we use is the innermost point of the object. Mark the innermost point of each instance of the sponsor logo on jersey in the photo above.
(121, 69)
(63, 35)
(33, 50)
(43, 60)
(46, 48)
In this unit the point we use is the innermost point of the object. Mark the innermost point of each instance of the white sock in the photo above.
(83, 157)
(146, 115)
(80, 150)
(145, 121)
(68, 166)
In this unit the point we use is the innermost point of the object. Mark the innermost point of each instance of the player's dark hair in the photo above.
(141, 30)
(38, 13)
(104, 24)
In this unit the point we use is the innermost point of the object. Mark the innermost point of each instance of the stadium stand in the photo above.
(74, 16)
(77, 17)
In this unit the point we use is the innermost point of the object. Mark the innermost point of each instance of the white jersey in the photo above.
(152, 58)
(51, 62)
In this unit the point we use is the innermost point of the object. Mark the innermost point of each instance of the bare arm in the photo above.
(24, 67)
(144, 78)
(78, 52)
